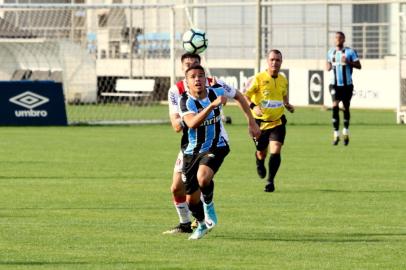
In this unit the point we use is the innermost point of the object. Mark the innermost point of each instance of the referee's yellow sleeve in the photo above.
(253, 89)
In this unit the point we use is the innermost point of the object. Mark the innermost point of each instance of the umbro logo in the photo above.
(29, 100)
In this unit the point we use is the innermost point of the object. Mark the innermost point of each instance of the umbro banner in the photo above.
(32, 103)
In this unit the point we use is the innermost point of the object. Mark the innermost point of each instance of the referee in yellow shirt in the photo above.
(268, 96)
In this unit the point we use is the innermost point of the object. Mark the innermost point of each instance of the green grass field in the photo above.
(98, 198)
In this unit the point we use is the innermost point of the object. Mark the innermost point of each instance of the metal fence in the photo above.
(142, 38)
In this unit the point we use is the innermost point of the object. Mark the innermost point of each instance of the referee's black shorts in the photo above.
(277, 133)
(341, 93)
(212, 159)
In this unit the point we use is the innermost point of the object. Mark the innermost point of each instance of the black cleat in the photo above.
(346, 140)
(181, 228)
(261, 170)
(194, 224)
(270, 187)
(228, 120)
(336, 140)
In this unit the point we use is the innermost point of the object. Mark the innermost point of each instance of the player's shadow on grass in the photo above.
(318, 238)
(115, 177)
(41, 263)
(358, 191)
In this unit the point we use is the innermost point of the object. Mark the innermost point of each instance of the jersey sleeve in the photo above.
(229, 91)
(220, 91)
(186, 106)
(285, 89)
(173, 100)
(353, 55)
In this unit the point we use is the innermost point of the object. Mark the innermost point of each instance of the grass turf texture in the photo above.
(98, 198)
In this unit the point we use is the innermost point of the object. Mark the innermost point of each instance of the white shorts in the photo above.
(179, 163)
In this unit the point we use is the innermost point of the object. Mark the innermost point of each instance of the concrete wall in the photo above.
(376, 84)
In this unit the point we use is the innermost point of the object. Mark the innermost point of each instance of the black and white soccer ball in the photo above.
(194, 41)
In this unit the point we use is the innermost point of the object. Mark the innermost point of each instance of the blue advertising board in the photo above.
(32, 103)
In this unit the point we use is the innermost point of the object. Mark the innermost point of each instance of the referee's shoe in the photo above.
(261, 170)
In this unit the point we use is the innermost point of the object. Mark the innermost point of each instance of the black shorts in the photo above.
(191, 163)
(277, 133)
(341, 93)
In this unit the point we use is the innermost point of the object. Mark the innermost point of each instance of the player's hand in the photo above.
(257, 111)
(254, 130)
(213, 81)
(290, 107)
(343, 60)
(220, 100)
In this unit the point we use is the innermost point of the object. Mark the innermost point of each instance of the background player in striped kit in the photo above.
(341, 61)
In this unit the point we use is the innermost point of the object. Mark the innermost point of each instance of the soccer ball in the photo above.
(194, 41)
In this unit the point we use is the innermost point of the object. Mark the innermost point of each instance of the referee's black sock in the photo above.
(274, 162)
(197, 210)
(336, 117)
(208, 192)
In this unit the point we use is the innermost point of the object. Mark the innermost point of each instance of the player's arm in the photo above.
(173, 102)
(329, 66)
(354, 60)
(194, 120)
(243, 104)
(355, 64)
(176, 122)
(287, 105)
(256, 108)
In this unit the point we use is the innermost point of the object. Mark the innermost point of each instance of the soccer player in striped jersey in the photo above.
(200, 109)
(177, 187)
(341, 60)
(268, 98)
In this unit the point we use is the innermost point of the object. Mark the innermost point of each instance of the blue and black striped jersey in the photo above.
(341, 73)
(211, 133)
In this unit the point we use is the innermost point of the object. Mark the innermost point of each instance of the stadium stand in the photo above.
(8, 30)
(21, 74)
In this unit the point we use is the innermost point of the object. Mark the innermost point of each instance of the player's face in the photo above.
(274, 62)
(188, 62)
(339, 40)
(196, 81)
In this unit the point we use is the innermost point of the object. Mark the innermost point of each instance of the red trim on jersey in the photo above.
(181, 87)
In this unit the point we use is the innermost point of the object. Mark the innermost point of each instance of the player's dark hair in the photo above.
(199, 67)
(190, 55)
(275, 51)
(340, 33)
